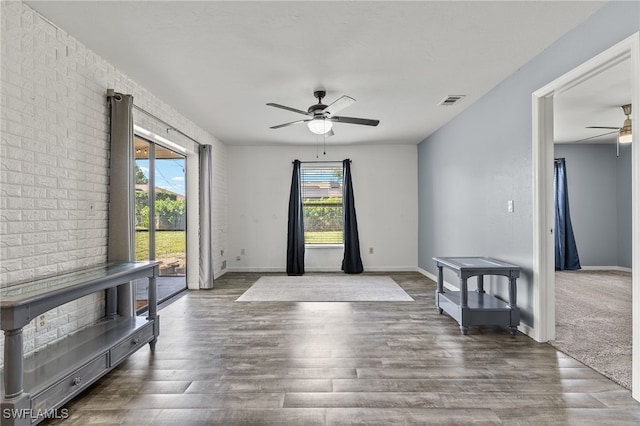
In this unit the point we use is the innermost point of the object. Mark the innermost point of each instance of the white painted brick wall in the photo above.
(54, 161)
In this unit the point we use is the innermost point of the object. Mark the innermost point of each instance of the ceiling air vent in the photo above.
(451, 100)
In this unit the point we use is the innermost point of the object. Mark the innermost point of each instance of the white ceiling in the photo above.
(219, 63)
(594, 102)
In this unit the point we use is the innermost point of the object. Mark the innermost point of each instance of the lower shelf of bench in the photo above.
(62, 370)
(482, 309)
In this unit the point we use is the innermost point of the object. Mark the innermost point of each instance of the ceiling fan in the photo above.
(624, 132)
(323, 116)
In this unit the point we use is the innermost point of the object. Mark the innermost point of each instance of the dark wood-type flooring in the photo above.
(375, 363)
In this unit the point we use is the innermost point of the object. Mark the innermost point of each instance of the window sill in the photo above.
(324, 246)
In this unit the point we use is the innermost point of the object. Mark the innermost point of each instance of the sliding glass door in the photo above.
(160, 216)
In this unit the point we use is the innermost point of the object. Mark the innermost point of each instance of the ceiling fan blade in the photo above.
(299, 111)
(597, 136)
(353, 120)
(339, 104)
(601, 127)
(289, 124)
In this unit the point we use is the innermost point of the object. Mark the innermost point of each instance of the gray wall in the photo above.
(600, 201)
(470, 167)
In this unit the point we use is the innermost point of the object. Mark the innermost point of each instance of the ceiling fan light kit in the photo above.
(323, 116)
(319, 125)
(625, 135)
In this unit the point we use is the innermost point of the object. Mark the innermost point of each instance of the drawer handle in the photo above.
(135, 341)
(76, 381)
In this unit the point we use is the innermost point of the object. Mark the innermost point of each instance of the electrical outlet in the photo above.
(370, 250)
(40, 322)
(242, 252)
(510, 206)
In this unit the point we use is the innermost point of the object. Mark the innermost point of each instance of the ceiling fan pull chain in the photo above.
(324, 149)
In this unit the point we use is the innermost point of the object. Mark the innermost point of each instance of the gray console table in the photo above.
(34, 387)
(479, 307)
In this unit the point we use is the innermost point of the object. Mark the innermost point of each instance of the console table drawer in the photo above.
(70, 385)
(132, 344)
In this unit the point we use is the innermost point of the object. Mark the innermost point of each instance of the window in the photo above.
(160, 217)
(321, 187)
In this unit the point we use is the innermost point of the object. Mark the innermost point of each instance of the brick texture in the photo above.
(54, 152)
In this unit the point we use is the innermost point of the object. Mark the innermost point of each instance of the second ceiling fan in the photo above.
(624, 133)
(322, 117)
(625, 130)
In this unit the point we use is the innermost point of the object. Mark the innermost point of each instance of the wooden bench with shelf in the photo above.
(479, 307)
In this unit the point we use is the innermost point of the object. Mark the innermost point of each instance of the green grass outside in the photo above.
(327, 237)
(168, 244)
(173, 243)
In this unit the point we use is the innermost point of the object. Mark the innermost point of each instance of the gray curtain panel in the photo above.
(206, 246)
(121, 214)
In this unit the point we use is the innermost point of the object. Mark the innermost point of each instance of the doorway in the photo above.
(593, 304)
(543, 211)
(160, 217)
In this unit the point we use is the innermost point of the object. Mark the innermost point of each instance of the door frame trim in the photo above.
(543, 203)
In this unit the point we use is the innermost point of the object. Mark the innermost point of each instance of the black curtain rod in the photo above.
(320, 162)
(112, 92)
(167, 124)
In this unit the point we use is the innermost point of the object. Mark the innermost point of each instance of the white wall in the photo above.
(385, 188)
(55, 158)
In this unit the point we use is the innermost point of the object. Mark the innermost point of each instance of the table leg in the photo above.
(464, 301)
(439, 289)
(512, 293)
(111, 302)
(15, 402)
(153, 310)
(464, 305)
(14, 363)
(480, 283)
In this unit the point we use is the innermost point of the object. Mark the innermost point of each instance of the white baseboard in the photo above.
(390, 269)
(432, 277)
(527, 330)
(221, 273)
(321, 269)
(255, 269)
(427, 274)
(606, 268)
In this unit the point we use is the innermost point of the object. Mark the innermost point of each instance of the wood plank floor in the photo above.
(374, 363)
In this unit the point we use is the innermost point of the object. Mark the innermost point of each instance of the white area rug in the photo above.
(325, 288)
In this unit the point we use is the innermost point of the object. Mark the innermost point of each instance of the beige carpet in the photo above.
(593, 321)
(325, 288)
